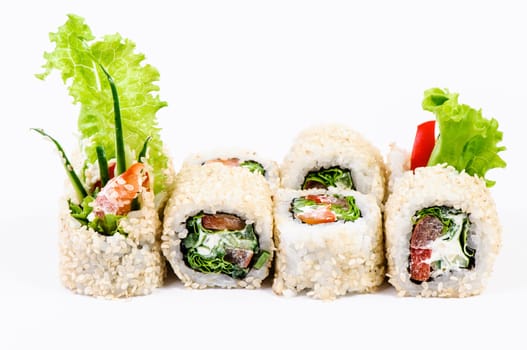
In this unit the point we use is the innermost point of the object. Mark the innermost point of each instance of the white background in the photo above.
(253, 74)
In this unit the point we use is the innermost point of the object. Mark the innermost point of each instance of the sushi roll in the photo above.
(333, 155)
(442, 233)
(119, 180)
(250, 160)
(218, 226)
(329, 243)
(441, 224)
(96, 261)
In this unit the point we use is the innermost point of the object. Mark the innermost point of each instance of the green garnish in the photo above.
(106, 225)
(330, 177)
(80, 58)
(107, 117)
(82, 210)
(103, 166)
(467, 141)
(75, 181)
(262, 259)
(120, 158)
(253, 167)
(140, 159)
(142, 154)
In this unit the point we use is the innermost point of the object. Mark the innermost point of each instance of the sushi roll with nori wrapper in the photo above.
(218, 227)
(329, 243)
(441, 224)
(120, 179)
(247, 159)
(334, 155)
(442, 233)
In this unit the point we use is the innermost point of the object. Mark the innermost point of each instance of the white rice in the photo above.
(270, 166)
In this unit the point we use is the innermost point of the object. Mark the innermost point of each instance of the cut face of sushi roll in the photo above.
(329, 243)
(439, 243)
(222, 243)
(442, 233)
(314, 209)
(334, 156)
(238, 157)
(217, 230)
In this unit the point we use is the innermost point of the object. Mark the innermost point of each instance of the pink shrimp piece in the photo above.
(117, 196)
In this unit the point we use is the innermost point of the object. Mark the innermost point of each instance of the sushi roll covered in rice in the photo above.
(329, 243)
(120, 264)
(109, 222)
(334, 155)
(250, 160)
(442, 233)
(441, 225)
(218, 227)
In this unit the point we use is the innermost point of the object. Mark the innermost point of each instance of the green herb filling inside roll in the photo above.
(322, 208)
(439, 243)
(328, 177)
(222, 243)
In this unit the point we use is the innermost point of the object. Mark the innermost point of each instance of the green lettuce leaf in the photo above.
(107, 225)
(77, 55)
(253, 167)
(467, 141)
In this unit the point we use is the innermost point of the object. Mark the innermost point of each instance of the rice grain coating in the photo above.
(441, 186)
(325, 146)
(272, 174)
(332, 259)
(113, 266)
(214, 188)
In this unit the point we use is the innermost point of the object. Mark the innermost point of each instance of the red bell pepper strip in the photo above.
(423, 144)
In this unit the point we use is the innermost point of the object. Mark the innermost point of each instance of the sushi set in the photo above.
(335, 217)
